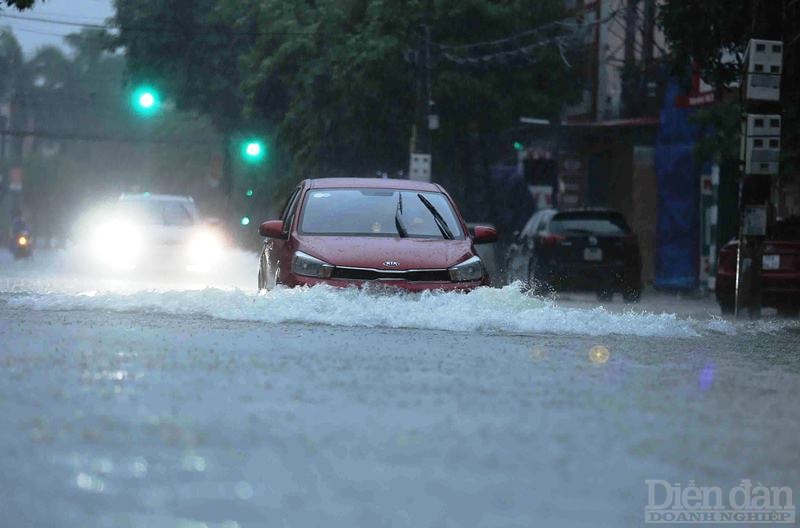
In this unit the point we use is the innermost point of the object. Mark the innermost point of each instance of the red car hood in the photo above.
(374, 252)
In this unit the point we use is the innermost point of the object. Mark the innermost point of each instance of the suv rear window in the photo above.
(787, 229)
(589, 222)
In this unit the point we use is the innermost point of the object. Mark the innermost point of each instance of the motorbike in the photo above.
(21, 245)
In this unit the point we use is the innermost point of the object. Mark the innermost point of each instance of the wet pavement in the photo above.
(131, 417)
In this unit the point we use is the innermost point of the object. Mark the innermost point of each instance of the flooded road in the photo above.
(134, 403)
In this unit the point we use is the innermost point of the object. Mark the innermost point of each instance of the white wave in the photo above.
(487, 310)
(61, 280)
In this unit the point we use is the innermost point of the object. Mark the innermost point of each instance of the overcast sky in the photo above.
(33, 34)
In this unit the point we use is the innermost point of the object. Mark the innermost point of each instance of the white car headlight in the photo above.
(469, 270)
(205, 248)
(118, 244)
(308, 266)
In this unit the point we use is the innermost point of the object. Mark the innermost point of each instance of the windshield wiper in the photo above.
(440, 223)
(398, 213)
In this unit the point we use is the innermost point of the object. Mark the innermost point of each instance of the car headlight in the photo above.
(469, 270)
(117, 243)
(205, 248)
(308, 266)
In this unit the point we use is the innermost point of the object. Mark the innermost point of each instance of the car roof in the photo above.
(372, 183)
(155, 197)
(584, 209)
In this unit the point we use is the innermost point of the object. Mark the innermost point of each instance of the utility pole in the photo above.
(629, 69)
(648, 32)
(760, 150)
(421, 143)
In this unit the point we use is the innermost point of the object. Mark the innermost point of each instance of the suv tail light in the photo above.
(727, 260)
(551, 240)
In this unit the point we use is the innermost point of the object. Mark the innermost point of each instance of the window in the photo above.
(288, 211)
(371, 212)
(159, 212)
(589, 222)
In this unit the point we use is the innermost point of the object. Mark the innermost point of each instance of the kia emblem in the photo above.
(391, 263)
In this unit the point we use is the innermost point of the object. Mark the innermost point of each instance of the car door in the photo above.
(517, 256)
(278, 251)
(534, 241)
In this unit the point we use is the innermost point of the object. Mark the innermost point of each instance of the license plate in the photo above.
(771, 262)
(593, 254)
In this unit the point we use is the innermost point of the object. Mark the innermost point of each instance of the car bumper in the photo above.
(589, 276)
(777, 288)
(159, 259)
(299, 280)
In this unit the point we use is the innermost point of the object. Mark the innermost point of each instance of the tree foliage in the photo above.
(712, 34)
(329, 79)
(84, 144)
(189, 51)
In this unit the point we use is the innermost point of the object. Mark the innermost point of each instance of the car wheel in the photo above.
(632, 294)
(535, 285)
(515, 269)
(605, 295)
(727, 306)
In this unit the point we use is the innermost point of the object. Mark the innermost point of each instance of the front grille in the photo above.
(367, 274)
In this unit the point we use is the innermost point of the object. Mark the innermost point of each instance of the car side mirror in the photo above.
(271, 229)
(484, 235)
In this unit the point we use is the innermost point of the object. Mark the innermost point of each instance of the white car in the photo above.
(155, 232)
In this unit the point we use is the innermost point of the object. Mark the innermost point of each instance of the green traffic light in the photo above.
(518, 145)
(245, 221)
(253, 151)
(249, 193)
(146, 101)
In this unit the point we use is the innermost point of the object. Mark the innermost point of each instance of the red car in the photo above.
(780, 270)
(354, 231)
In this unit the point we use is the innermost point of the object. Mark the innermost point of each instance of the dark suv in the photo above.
(577, 249)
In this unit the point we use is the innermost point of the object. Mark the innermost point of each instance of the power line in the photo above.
(36, 32)
(512, 39)
(151, 29)
(511, 49)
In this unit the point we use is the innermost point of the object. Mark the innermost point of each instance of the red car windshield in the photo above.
(373, 212)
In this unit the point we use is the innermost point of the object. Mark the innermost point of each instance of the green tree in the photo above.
(712, 34)
(190, 50)
(332, 78)
(328, 83)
